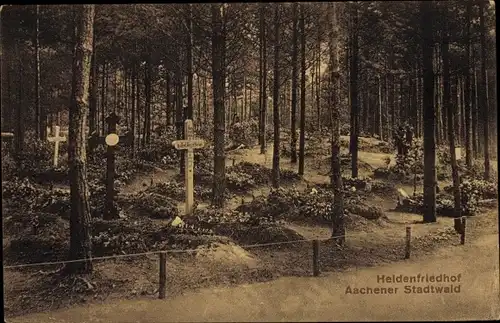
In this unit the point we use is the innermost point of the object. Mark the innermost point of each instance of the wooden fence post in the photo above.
(316, 258)
(462, 234)
(163, 275)
(408, 242)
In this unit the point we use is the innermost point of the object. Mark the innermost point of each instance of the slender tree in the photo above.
(263, 108)
(295, 50)
(218, 77)
(467, 90)
(189, 56)
(302, 137)
(39, 114)
(276, 97)
(338, 224)
(427, 21)
(148, 89)
(80, 225)
(483, 97)
(451, 127)
(94, 85)
(134, 109)
(353, 88)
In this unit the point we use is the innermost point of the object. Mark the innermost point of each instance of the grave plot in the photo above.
(231, 139)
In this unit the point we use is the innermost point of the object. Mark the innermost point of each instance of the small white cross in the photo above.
(56, 139)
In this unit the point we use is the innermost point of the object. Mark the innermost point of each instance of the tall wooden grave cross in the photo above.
(112, 139)
(56, 139)
(188, 144)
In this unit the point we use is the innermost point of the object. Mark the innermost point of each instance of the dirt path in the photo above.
(325, 298)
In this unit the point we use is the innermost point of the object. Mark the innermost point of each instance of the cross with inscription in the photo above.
(188, 144)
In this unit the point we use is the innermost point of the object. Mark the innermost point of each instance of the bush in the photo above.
(154, 205)
(9, 166)
(412, 163)
(245, 132)
(259, 174)
(444, 204)
(35, 158)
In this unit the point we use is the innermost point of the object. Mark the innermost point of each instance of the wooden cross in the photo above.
(188, 144)
(56, 139)
(111, 140)
(95, 140)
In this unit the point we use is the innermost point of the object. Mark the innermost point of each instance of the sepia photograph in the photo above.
(249, 162)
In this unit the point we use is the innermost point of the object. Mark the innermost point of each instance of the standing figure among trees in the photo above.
(408, 139)
(398, 137)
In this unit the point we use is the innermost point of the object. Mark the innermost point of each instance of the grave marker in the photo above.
(56, 139)
(111, 140)
(188, 144)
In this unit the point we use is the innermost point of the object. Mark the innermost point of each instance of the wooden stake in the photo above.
(462, 234)
(163, 275)
(408, 242)
(316, 258)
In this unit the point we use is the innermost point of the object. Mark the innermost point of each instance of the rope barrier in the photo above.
(179, 251)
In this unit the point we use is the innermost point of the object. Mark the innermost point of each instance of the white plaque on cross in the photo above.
(188, 144)
(458, 153)
(56, 139)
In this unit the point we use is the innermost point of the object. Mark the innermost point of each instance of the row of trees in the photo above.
(148, 73)
(370, 64)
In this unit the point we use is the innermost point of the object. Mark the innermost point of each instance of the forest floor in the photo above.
(369, 243)
(324, 298)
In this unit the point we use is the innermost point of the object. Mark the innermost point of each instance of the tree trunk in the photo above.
(19, 135)
(80, 223)
(426, 11)
(199, 120)
(205, 100)
(380, 115)
(295, 50)
(436, 97)
(338, 224)
(148, 71)
(468, 93)
(276, 99)
(391, 102)
(126, 96)
(364, 104)
(41, 125)
(104, 96)
(134, 109)
(353, 87)
(483, 98)
(263, 108)
(179, 122)
(94, 79)
(451, 131)
(302, 125)
(318, 78)
(189, 54)
(168, 97)
(218, 77)
(115, 91)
